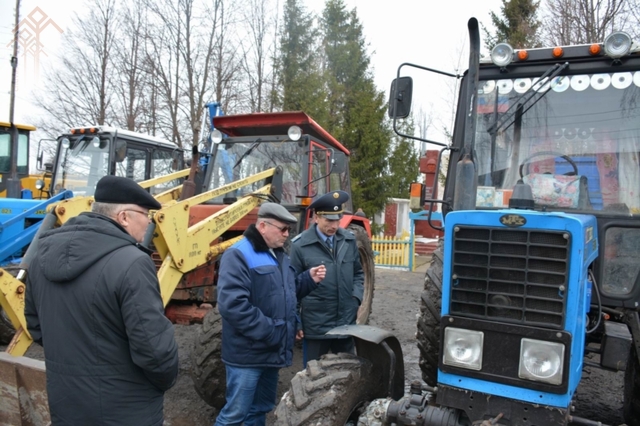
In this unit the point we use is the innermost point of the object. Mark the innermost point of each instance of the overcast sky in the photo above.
(432, 34)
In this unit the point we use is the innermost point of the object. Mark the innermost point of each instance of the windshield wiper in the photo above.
(506, 122)
(247, 152)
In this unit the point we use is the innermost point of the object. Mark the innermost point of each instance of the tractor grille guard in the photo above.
(514, 276)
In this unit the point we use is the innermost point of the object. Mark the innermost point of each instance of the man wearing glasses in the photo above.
(258, 291)
(93, 302)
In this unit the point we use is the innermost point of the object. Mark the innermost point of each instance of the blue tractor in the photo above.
(539, 262)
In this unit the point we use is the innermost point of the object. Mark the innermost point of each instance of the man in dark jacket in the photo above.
(336, 300)
(257, 297)
(93, 302)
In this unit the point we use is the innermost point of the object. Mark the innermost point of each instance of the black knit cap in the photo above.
(120, 190)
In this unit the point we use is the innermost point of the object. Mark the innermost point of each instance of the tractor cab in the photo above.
(86, 154)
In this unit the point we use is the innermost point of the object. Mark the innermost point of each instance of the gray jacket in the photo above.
(336, 299)
(93, 302)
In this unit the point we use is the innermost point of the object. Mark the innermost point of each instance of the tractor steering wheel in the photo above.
(554, 154)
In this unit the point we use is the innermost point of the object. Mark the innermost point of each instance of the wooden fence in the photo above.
(392, 252)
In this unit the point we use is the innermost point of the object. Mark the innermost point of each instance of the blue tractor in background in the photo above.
(539, 265)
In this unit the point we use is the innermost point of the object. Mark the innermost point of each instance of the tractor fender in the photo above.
(383, 349)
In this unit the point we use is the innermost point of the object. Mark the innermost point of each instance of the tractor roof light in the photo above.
(502, 54)
(617, 44)
(294, 133)
(216, 136)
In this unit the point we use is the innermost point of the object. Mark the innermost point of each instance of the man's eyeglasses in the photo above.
(147, 214)
(282, 229)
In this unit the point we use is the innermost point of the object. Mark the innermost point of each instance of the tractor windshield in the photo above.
(237, 160)
(82, 161)
(576, 141)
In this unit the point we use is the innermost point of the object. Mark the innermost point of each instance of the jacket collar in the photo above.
(310, 236)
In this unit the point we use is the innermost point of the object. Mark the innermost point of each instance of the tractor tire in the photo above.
(368, 268)
(208, 371)
(428, 335)
(6, 328)
(330, 391)
(631, 407)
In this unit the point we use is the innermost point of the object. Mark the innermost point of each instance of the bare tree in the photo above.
(180, 52)
(569, 22)
(128, 64)
(259, 19)
(80, 91)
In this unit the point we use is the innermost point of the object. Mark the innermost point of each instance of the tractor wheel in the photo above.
(631, 407)
(6, 328)
(428, 335)
(331, 391)
(368, 268)
(208, 371)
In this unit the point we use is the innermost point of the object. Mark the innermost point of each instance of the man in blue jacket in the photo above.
(258, 292)
(338, 297)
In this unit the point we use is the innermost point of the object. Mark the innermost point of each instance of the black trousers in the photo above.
(315, 348)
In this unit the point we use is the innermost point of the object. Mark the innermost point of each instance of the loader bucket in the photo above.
(23, 392)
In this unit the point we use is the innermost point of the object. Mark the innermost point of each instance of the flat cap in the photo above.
(277, 212)
(330, 204)
(121, 190)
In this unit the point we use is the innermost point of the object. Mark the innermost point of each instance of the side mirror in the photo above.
(121, 151)
(339, 160)
(400, 97)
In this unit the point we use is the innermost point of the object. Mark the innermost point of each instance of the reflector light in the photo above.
(523, 55)
(595, 49)
(557, 52)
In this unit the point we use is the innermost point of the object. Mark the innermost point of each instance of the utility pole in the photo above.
(13, 183)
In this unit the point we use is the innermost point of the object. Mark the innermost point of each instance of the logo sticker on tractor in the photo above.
(512, 220)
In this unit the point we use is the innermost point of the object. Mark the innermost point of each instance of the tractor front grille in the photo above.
(507, 275)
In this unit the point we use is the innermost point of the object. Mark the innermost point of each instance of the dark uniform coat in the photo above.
(93, 302)
(336, 300)
(258, 293)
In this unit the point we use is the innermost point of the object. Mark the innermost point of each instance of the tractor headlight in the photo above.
(463, 348)
(502, 54)
(541, 361)
(66, 143)
(39, 184)
(617, 44)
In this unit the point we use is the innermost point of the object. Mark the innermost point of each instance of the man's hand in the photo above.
(318, 273)
(299, 335)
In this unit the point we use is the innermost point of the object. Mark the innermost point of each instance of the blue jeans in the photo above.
(251, 394)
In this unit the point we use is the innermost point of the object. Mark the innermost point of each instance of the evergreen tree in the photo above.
(403, 162)
(356, 108)
(300, 79)
(518, 25)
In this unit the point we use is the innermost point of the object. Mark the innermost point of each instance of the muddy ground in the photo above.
(395, 308)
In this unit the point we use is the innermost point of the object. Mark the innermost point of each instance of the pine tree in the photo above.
(356, 107)
(403, 162)
(300, 82)
(518, 25)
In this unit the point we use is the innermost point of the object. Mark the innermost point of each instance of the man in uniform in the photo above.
(336, 300)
